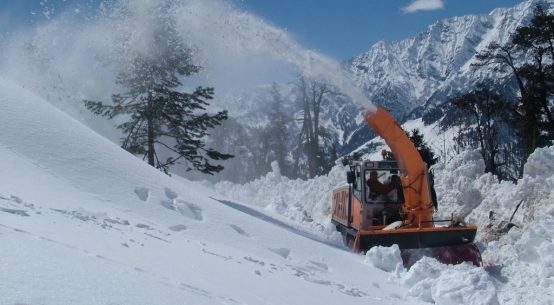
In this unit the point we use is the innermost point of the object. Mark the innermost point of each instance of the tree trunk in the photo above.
(151, 151)
(151, 136)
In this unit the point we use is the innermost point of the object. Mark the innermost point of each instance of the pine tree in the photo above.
(159, 116)
(422, 147)
(537, 40)
(483, 115)
(426, 153)
(533, 75)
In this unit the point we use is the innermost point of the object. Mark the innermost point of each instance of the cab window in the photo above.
(381, 185)
(359, 182)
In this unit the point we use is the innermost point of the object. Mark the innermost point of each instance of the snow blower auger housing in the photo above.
(392, 202)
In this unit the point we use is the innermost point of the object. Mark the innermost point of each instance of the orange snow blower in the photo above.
(392, 202)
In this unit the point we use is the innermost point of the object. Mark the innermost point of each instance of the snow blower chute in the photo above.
(392, 202)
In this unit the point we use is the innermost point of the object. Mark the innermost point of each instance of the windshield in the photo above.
(379, 185)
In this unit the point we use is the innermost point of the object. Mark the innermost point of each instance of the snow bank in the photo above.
(519, 258)
(385, 258)
(537, 185)
(431, 281)
(463, 189)
(522, 262)
(461, 185)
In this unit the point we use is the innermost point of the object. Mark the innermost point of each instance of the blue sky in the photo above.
(346, 28)
(340, 29)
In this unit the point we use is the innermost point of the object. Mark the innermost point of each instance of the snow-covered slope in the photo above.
(84, 222)
(521, 258)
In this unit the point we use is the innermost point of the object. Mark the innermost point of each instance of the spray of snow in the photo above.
(239, 36)
(71, 57)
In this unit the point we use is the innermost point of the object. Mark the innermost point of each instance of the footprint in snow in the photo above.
(168, 204)
(239, 230)
(321, 266)
(170, 194)
(16, 199)
(255, 261)
(178, 228)
(15, 212)
(188, 209)
(283, 252)
(143, 226)
(142, 193)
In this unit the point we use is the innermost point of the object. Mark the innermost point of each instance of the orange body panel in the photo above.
(356, 213)
(340, 208)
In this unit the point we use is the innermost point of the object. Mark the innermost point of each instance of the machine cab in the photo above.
(377, 182)
(377, 186)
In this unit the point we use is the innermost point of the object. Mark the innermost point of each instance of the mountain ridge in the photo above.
(435, 64)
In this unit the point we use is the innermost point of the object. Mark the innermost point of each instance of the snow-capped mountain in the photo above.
(407, 77)
(434, 65)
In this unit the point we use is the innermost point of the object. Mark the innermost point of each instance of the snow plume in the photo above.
(70, 57)
(234, 37)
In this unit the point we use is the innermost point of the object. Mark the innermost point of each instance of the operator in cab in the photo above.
(377, 187)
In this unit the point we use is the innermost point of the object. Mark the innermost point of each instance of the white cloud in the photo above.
(423, 5)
